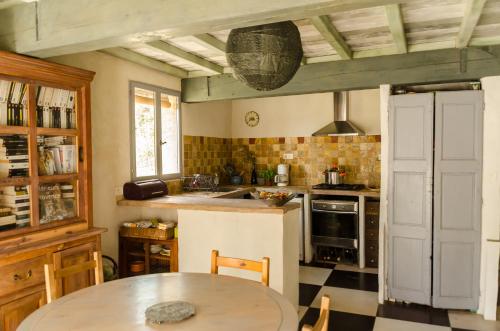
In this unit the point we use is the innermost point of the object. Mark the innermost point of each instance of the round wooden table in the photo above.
(222, 303)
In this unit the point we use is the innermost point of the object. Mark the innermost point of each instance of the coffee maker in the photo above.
(281, 179)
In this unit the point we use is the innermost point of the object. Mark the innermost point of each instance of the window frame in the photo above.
(158, 90)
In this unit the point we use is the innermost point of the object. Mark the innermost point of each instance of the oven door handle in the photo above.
(335, 212)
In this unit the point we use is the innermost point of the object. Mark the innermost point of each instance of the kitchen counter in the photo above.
(309, 189)
(209, 204)
(364, 192)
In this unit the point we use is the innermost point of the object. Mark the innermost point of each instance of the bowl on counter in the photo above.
(273, 199)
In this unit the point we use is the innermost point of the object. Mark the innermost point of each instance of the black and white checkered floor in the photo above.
(355, 307)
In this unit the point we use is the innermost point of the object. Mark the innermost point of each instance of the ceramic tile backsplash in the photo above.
(205, 155)
(358, 155)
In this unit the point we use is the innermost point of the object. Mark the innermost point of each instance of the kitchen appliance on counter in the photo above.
(144, 189)
(335, 230)
(344, 187)
(281, 179)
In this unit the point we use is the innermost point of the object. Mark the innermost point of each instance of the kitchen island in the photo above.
(237, 228)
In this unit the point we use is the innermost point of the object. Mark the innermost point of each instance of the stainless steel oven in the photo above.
(335, 223)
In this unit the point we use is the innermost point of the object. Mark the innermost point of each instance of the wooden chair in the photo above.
(230, 262)
(324, 314)
(53, 277)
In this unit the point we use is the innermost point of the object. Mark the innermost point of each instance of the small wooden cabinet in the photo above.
(44, 236)
(138, 249)
(372, 215)
(14, 312)
(22, 284)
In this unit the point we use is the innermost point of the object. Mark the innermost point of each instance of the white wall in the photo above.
(110, 134)
(301, 115)
(491, 197)
(209, 119)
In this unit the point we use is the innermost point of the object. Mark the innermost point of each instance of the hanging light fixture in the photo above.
(265, 57)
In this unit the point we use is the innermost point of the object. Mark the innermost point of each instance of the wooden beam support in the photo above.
(325, 26)
(211, 42)
(10, 3)
(66, 27)
(186, 56)
(140, 59)
(412, 68)
(473, 10)
(396, 25)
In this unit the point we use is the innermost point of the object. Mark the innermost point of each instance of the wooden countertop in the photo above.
(309, 189)
(364, 192)
(210, 204)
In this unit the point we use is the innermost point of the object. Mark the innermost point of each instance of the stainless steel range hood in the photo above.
(340, 125)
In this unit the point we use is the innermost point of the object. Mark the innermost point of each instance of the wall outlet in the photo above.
(288, 156)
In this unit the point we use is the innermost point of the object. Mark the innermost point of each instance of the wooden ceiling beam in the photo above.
(10, 3)
(186, 56)
(326, 28)
(125, 22)
(145, 61)
(473, 10)
(211, 42)
(412, 68)
(396, 25)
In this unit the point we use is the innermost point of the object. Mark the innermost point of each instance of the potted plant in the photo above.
(268, 176)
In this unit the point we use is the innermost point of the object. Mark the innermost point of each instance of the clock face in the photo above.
(252, 118)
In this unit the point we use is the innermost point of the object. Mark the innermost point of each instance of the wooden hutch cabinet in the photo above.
(45, 181)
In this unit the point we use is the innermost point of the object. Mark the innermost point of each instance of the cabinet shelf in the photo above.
(12, 129)
(56, 132)
(57, 178)
(15, 181)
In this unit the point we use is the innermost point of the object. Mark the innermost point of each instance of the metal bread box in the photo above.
(144, 189)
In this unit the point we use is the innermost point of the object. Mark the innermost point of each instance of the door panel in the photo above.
(410, 196)
(73, 256)
(13, 313)
(457, 199)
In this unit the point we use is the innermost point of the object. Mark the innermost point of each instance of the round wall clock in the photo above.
(252, 118)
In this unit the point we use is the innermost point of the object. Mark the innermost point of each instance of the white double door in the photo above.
(434, 202)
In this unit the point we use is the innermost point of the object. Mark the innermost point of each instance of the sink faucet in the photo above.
(215, 182)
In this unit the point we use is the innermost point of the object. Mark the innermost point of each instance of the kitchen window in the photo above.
(155, 125)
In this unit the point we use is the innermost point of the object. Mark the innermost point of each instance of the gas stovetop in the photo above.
(345, 187)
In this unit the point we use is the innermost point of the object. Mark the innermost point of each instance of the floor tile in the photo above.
(466, 320)
(387, 324)
(348, 300)
(353, 280)
(313, 275)
(414, 313)
(302, 311)
(307, 293)
(355, 268)
(340, 321)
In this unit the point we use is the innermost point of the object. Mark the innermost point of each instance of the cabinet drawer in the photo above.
(372, 262)
(20, 275)
(371, 221)
(371, 234)
(371, 247)
(372, 207)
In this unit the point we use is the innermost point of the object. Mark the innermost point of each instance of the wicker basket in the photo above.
(151, 233)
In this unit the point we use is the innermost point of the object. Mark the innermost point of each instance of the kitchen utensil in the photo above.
(281, 179)
(333, 177)
(272, 202)
(137, 266)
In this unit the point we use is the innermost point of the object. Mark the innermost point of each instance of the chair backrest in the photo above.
(230, 262)
(52, 276)
(324, 315)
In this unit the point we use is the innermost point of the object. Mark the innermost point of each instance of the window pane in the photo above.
(145, 151)
(170, 134)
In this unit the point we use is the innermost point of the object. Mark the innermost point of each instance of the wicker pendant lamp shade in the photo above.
(265, 57)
